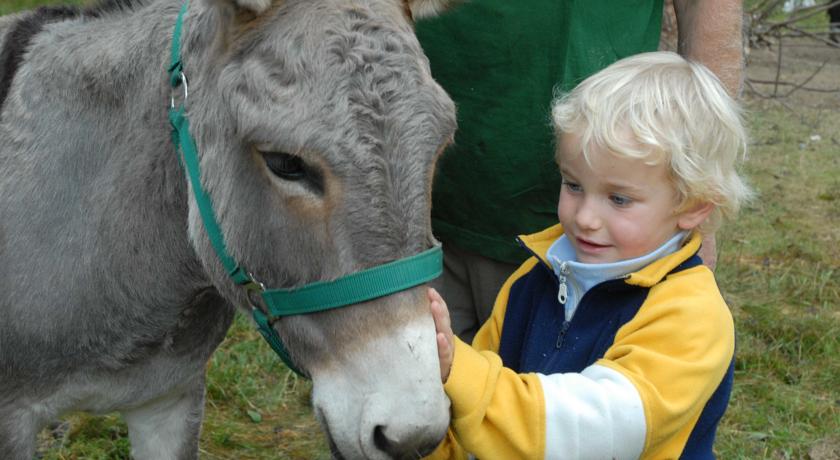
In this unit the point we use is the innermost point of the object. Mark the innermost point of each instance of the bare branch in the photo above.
(809, 11)
(759, 15)
(786, 83)
(778, 67)
(814, 36)
(790, 31)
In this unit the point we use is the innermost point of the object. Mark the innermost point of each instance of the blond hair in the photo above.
(675, 111)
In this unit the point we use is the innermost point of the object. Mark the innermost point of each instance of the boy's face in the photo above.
(618, 208)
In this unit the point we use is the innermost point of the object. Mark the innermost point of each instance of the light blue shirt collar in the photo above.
(576, 278)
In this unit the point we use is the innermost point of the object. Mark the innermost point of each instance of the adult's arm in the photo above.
(711, 32)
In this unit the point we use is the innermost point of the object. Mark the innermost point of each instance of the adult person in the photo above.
(501, 61)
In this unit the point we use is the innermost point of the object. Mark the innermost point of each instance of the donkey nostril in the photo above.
(381, 441)
(411, 447)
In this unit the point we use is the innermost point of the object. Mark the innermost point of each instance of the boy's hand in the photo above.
(444, 334)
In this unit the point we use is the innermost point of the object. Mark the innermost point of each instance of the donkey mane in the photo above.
(30, 25)
(112, 6)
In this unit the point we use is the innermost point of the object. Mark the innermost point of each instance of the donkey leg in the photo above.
(167, 428)
(18, 431)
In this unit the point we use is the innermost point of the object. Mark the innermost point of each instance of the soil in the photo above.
(807, 64)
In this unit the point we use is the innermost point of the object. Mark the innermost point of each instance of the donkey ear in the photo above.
(426, 8)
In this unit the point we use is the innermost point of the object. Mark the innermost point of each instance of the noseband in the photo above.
(268, 305)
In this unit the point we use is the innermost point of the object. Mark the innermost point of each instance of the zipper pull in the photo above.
(563, 290)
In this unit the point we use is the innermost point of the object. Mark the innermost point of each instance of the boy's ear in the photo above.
(692, 217)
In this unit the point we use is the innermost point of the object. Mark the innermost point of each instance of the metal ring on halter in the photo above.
(254, 290)
(183, 79)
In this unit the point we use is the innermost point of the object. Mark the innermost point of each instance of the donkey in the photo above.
(317, 125)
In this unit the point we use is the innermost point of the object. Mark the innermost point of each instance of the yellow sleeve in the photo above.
(496, 413)
(675, 351)
(448, 449)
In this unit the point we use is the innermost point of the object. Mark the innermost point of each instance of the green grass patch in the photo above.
(779, 271)
(256, 407)
(11, 6)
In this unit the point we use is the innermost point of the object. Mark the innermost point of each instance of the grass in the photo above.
(256, 409)
(778, 268)
(10, 6)
(779, 271)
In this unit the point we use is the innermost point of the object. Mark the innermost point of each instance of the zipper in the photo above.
(562, 296)
(562, 335)
(563, 289)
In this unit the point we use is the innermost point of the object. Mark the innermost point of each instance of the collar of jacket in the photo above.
(538, 244)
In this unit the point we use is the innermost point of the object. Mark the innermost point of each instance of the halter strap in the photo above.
(357, 287)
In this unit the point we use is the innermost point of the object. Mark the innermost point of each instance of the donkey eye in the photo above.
(292, 168)
(285, 166)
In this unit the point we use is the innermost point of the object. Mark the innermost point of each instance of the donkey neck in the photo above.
(85, 150)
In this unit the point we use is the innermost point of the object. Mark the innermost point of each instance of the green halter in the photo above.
(324, 295)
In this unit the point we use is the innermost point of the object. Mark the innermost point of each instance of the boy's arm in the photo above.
(676, 352)
(642, 399)
(497, 413)
(474, 372)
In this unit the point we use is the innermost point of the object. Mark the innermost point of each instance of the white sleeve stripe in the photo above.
(594, 414)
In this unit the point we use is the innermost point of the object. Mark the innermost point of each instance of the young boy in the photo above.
(613, 340)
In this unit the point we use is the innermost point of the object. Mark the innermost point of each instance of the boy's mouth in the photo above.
(590, 246)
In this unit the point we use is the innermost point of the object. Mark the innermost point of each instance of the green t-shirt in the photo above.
(500, 60)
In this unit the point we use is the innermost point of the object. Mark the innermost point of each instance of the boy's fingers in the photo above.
(441, 317)
(443, 345)
(443, 331)
(438, 306)
(444, 356)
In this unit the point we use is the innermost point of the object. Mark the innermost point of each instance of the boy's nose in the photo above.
(587, 216)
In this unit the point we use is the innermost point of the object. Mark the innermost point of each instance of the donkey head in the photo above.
(318, 125)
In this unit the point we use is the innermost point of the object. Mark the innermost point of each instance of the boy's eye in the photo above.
(572, 187)
(619, 200)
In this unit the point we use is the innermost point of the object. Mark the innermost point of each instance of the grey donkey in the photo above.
(317, 125)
